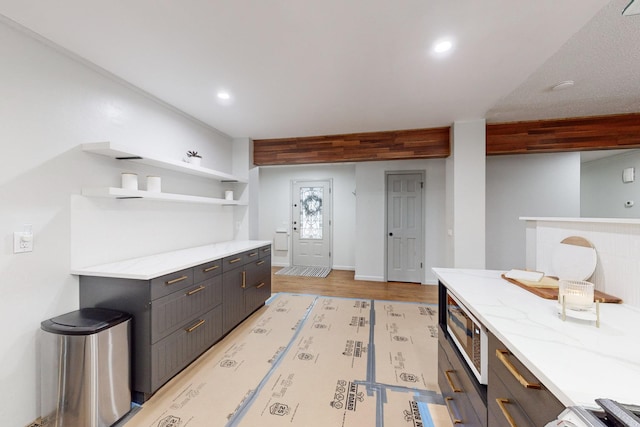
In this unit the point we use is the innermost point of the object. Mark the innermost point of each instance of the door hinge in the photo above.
(421, 184)
(329, 254)
(420, 265)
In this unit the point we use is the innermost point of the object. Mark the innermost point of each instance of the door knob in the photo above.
(390, 234)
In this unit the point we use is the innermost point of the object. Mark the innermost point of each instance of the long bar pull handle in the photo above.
(252, 254)
(454, 419)
(244, 280)
(505, 411)
(206, 270)
(233, 261)
(174, 281)
(450, 381)
(260, 285)
(196, 326)
(503, 356)
(259, 262)
(196, 290)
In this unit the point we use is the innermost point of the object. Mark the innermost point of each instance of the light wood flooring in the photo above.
(340, 283)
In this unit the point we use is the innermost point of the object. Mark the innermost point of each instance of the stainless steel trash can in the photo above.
(85, 369)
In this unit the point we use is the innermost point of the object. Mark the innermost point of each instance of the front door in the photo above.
(404, 227)
(311, 223)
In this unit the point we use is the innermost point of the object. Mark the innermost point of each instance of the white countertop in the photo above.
(575, 360)
(149, 267)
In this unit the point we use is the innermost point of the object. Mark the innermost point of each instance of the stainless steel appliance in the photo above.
(610, 413)
(469, 335)
(85, 379)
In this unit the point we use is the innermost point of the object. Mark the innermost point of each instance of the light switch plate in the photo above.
(22, 242)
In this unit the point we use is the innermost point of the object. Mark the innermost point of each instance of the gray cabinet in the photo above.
(516, 396)
(178, 316)
(464, 397)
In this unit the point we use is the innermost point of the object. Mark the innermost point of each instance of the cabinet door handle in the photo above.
(450, 381)
(454, 419)
(505, 411)
(174, 281)
(259, 262)
(244, 280)
(260, 285)
(503, 355)
(233, 261)
(196, 290)
(206, 270)
(252, 254)
(196, 326)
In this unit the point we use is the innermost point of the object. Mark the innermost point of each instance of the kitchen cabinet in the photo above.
(464, 398)
(178, 316)
(515, 395)
(119, 152)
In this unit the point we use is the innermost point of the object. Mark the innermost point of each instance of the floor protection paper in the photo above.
(308, 361)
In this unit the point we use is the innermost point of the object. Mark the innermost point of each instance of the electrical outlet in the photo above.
(22, 242)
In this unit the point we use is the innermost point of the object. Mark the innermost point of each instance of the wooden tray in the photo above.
(552, 293)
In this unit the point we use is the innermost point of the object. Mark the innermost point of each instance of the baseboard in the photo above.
(369, 278)
(343, 267)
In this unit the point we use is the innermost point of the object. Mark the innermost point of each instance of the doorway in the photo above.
(405, 226)
(311, 223)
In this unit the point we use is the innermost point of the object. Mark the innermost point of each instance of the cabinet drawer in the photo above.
(170, 355)
(510, 407)
(170, 312)
(205, 271)
(234, 261)
(457, 401)
(265, 251)
(258, 271)
(540, 405)
(164, 285)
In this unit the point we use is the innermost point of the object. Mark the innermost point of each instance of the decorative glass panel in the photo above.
(311, 212)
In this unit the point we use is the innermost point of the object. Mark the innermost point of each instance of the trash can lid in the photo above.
(85, 321)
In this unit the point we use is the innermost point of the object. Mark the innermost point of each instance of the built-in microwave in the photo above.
(469, 335)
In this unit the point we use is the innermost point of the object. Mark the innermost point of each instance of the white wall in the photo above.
(275, 207)
(526, 185)
(370, 236)
(49, 105)
(603, 194)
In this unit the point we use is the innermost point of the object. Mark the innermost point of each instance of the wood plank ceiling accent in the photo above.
(572, 134)
(358, 147)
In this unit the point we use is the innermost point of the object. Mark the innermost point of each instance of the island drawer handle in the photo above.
(454, 419)
(450, 381)
(505, 411)
(196, 326)
(196, 290)
(174, 281)
(233, 261)
(259, 262)
(503, 356)
(260, 285)
(206, 270)
(253, 254)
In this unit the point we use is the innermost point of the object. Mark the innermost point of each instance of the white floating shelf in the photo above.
(120, 193)
(115, 151)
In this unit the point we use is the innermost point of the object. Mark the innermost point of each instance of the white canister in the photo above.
(196, 161)
(129, 181)
(228, 195)
(154, 184)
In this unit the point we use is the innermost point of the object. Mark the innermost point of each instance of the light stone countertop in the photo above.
(149, 267)
(575, 360)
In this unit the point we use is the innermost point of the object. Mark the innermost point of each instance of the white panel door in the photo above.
(311, 223)
(404, 227)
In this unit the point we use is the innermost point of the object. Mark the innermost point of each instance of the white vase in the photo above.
(195, 160)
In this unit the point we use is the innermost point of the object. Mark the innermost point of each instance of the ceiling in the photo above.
(302, 67)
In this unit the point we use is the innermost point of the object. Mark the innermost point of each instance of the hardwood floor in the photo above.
(341, 283)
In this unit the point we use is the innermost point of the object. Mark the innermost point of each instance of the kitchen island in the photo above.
(575, 360)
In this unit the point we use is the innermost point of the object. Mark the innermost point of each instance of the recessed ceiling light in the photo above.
(224, 95)
(442, 46)
(563, 85)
